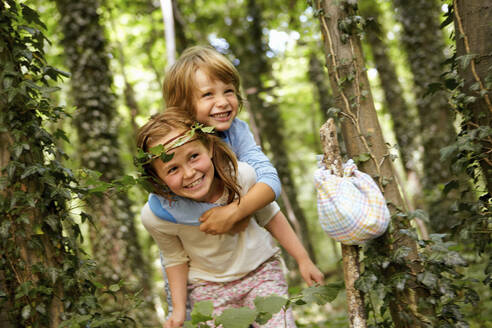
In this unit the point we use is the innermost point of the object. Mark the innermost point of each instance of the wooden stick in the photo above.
(350, 254)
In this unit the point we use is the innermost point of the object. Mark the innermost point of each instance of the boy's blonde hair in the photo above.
(160, 125)
(179, 84)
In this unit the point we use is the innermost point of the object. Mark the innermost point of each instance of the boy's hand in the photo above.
(220, 220)
(176, 320)
(310, 273)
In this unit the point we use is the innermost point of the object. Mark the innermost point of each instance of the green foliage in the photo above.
(45, 277)
(265, 308)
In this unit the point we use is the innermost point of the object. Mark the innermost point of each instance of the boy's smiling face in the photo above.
(216, 102)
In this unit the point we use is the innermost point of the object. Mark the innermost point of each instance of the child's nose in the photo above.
(221, 101)
(189, 171)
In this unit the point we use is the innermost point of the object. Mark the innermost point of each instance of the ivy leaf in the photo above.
(366, 282)
(427, 278)
(465, 59)
(454, 259)
(202, 312)
(447, 152)
(157, 150)
(208, 129)
(166, 157)
(237, 318)
(31, 16)
(364, 157)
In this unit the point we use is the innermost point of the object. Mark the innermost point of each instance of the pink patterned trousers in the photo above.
(266, 280)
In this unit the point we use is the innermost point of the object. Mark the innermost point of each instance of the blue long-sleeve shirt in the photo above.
(241, 141)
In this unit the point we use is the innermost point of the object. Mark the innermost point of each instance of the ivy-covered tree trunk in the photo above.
(474, 47)
(43, 275)
(113, 237)
(254, 67)
(364, 140)
(423, 42)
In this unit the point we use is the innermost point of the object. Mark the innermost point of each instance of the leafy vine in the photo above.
(46, 279)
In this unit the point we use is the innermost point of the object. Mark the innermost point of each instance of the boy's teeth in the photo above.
(221, 115)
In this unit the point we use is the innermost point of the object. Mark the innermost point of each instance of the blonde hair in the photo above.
(223, 159)
(179, 84)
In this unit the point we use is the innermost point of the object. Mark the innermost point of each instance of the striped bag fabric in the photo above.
(351, 209)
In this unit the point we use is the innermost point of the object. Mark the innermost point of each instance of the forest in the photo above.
(407, 83)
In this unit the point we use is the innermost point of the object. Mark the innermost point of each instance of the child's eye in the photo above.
(194, 156)
(206, 94)
(172, 170)
(230, 91)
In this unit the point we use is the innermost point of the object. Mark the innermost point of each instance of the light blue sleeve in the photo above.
(241, 140)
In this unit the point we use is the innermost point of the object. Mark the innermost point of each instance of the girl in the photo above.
(228, 269)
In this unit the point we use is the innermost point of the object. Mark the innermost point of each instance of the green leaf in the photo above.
(237, 318)
(270, 304)
(166, 157)
(31, 16)
(364, 157)
(157, 150)
(427, 278)
(114, 288)
(188, 324)
(202, 312)
(465, 60)
(366, 282)
(208, 129)
(322, 294)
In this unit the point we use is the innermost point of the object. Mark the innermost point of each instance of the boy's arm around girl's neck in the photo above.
(223, 219)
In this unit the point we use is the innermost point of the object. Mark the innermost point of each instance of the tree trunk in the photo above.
(253, 67)
(318, 77)
(350, 254)
(362, 135)
(424, 44)
(473, 31)
(114, 241)
(404, 122)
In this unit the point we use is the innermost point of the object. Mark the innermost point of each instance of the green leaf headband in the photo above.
(160, 151)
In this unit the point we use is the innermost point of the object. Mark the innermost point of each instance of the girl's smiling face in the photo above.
(216, 102)
(190, 172)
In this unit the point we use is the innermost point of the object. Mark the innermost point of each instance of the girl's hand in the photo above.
(310, 273)
(220, 220)
(176, 320)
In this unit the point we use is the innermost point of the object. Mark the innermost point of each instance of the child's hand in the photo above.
(219, 220)
(176, 320)
(310, 273)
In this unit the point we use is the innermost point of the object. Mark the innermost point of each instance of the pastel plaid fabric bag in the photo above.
(351, 209)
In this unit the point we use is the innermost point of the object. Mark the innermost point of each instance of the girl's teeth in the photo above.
(191, 185)
(221, 115)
